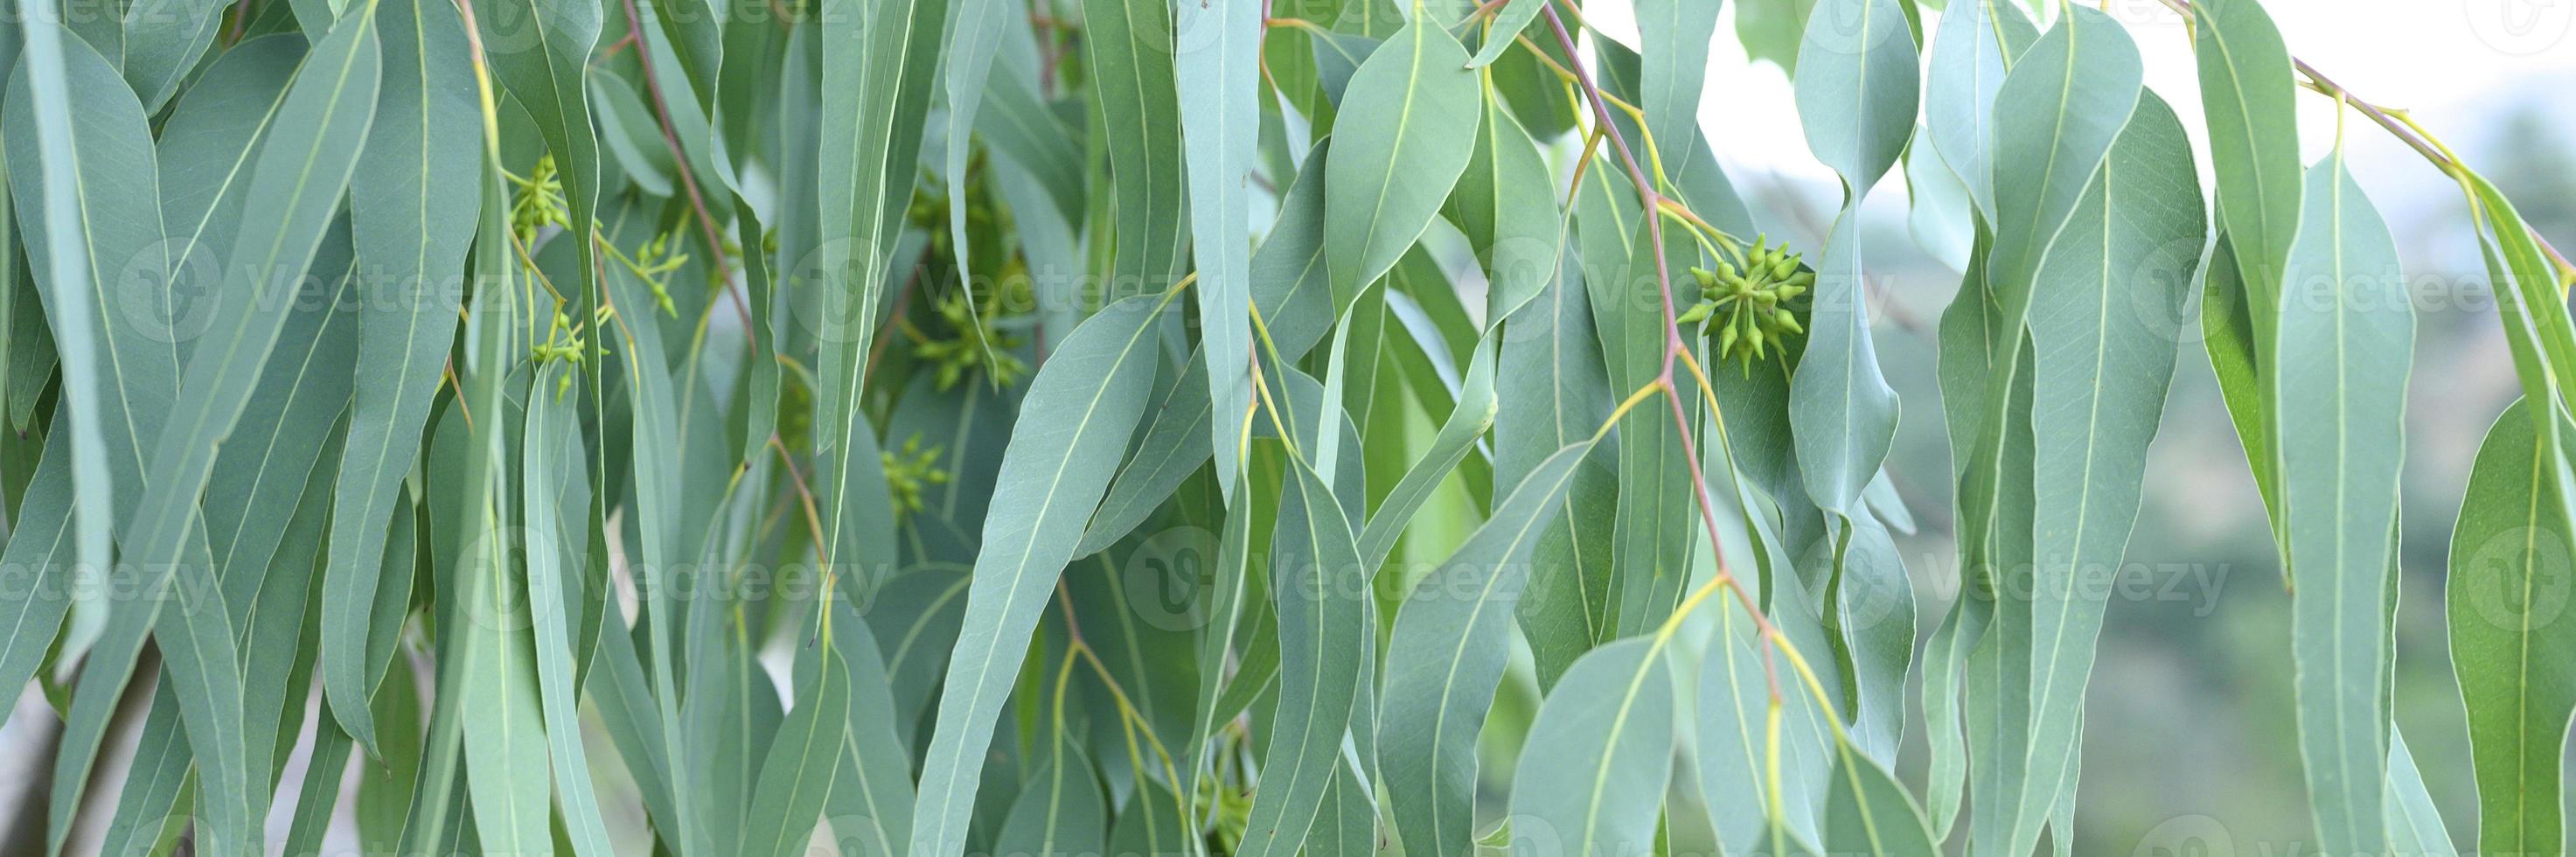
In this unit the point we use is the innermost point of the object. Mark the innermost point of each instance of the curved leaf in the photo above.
(2247, 91)
(1088, 397)
(2125, 256)
(1839, 402)
(1446, 655)
(2514, 546)
(1131, 50)
(1606, 730)
(1218, 72)
(1387, 176)
(1468, 420)
(551, 586)
(1509, 21)
(2347, 337)
(1554, 391)
(294, 192)
(1976, 47)
(411, 223)
(1869, 813)
(1320, 591)
(1857, 83)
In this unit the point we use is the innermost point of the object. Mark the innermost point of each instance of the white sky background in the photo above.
(2456, 64)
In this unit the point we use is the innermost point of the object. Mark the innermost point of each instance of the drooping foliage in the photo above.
(930, 427)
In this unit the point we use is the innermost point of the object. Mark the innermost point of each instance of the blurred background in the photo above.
(2188, 727)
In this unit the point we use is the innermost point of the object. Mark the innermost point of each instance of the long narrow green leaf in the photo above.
(1839, 401)
(1673, 40)
(2347, 339)
(1446, 655)
(1857, 92)
(1506, 203)
(437, 817)
(1649, 565)
(1468, 420)
(877, 69)
(1869, 607)
(2098, 384)
(1217, 68)
(1387, 176)
(801, 767)
(550, 586)
(871, 800)
(295, 188)
(2057, 114)
(2247, 89)
(1225, 617)
(2228, 334)
(2245, 78)
(2538, 338)
(1976, 47)
(318, 799)
(268, 607)
(1290, 291)
(1967, 347)
(1553, 391)
(1991, 632)
(493, 672)
(266, 559)
(1134, 98)
(1857, 87)
(1870, 813)
(207, 152)
(969, 53)
(2513, 537)
(55, 201)
(410, 221)
(1320, 591)
(1606, 730)
(384, 796)
(1091, 392)
(85, 188)
(660, 509)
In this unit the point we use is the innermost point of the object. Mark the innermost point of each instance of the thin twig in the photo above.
(688, 180)
(2397, 126)
(1673, 346)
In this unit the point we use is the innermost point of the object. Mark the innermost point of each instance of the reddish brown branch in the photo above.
(688, 180)
(1652, 200)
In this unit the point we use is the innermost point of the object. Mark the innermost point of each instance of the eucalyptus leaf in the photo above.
(1387, 176)
(1096, 384)
(2347, 335)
